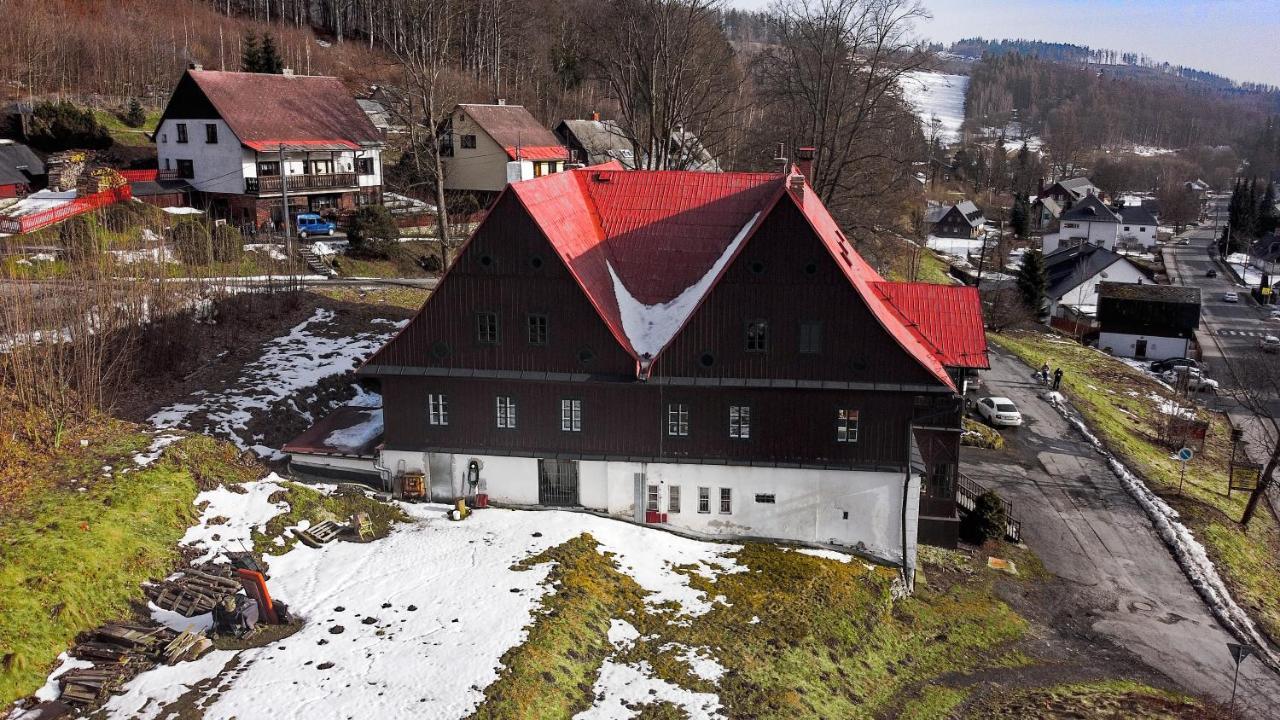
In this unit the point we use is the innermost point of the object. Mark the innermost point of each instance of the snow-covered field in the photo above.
(956, 247)
(288, 364)
(937, 95)
(425, 615)
(1251, 275)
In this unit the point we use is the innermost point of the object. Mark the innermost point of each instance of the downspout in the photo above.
(908, 575)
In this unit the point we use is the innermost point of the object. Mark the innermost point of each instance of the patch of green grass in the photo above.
(1102, 699)
(402, 263)
(979, 434)
(934, 703)
(1115, 400)
(404, 298)
(122, 134)
(73, 558)
(306, 503)
(933, 269)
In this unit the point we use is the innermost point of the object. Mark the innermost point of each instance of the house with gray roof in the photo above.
(1147, 322)
(1074, 274)
(596, 141)
(1088, 221)
(21, 170)
(961, 220)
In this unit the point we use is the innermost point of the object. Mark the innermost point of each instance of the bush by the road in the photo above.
(986, 522)
(372, 233)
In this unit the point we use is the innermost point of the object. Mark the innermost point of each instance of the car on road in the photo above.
(1211, 273)
(1183, 241)
(1275, 315)
(1231, 297)
(1269, 344)
(1171, 363)
(999, 411)
(310, 224)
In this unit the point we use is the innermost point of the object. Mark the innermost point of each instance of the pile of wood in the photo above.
(64, 169)
(98, 180)
(119, 651)
(195, 592)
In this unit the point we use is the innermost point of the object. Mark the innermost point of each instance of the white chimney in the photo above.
(502, 101)
(518, 170)
(287, 71)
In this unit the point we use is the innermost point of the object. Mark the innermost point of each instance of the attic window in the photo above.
(600, 177)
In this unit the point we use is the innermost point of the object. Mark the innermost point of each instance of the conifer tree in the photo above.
(250, 54)
(1033, 283)
(270, 62)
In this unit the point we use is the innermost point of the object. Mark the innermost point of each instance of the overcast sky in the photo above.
(1236, 38)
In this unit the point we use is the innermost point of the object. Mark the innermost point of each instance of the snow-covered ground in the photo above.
(956, 247)
(425, 615)
(937, 95)
(298, 360)
(1251, 275)
(38, 201)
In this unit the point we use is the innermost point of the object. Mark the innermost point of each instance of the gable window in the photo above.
(506, 412)
(571, 415)
(537, 329)
(704, 499)
(678, 419)
(211, 133)
(846, 425)
(487, 328)
(673, 499)
(1126, 228)
(186, 169)
(757, 336)
(468, 142)
(182, 132)
(810, 338)
(364, 166)
(740, 421)
(437, 409)
(726, 501)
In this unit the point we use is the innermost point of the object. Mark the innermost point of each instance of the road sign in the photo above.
(1239, 652)
(1185, 454)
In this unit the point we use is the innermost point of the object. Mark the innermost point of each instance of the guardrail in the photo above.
(79, 206)
(967, 492)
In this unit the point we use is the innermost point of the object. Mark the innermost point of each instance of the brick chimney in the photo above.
(804, 161)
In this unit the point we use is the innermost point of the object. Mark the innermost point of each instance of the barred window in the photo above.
(437, 409)
(846, 426)
(726, 501)
(673, 498)
(506, 412)
(740, 422)
(571, 415)
(678, 419)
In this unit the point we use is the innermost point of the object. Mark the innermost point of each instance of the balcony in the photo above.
(270, 185)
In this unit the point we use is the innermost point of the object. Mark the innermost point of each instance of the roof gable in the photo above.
(264, 108)
(1090, 209)
(18, 165)
(512, 127)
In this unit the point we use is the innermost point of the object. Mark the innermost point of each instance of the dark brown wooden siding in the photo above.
(628, 420)
(508, 268)
(786, 276)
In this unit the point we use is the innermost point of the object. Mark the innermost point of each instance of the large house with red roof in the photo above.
(704, 351)
(483, 147)
(242, 140)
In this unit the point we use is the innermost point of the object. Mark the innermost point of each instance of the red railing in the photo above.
(79, 206)
(149, 175)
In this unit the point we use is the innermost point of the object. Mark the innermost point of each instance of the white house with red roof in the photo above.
(242, 139)
(702, 351)
(479, 143)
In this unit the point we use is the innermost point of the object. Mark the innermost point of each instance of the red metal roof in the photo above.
(947, 319)
(667, 234)
(538, 152)
(300, 145)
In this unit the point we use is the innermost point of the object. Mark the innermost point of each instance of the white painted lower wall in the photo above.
(857, 509)
(1158, 348)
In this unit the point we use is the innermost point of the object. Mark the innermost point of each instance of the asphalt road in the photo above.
(1084, 526)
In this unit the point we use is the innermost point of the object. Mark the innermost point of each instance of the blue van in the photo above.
(309, 224)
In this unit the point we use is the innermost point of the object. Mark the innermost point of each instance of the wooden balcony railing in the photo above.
(270, 185)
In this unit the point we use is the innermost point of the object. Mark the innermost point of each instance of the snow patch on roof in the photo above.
(358, 435)
(650, 327)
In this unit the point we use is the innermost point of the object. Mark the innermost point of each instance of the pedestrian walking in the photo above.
(1057, 378)
(1044, 373)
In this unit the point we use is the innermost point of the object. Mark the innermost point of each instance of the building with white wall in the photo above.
(1147, 322)
(1074, 274)
(479, 141)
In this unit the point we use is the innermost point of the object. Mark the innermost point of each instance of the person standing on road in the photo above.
(1044, 372)
(1057, 378)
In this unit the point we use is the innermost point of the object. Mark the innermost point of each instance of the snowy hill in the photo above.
(935, 94)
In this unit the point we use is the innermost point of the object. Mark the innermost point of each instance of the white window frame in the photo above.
(678, 419)
(726, 501)
(571, 415)
(847, 420)
(740, 422)
(506, 412)
(438, 409)
(673, 499)
(704, 501)
(652, 497)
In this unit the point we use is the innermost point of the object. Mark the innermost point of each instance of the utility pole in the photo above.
(284, 202)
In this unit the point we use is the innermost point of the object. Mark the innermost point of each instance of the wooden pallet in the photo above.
(320, 533)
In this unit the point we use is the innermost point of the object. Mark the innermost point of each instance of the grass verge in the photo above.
(1120, 404)
(1105, 699)
(74, 552)
(306, 503)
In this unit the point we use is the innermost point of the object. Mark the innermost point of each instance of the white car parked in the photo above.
(1231, 297)
(999, 411)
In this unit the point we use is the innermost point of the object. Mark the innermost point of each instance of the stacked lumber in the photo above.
(120, 651)
(64, 169)
(194, 593)
(98, 180)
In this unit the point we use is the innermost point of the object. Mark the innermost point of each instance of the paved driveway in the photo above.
(1084, 526)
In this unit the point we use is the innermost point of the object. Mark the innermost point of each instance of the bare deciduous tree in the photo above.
(1257, 389)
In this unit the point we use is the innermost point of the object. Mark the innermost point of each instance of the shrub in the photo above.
(228, 246)
(191, 240)
(986, 522)
(62, 126)
(372, 232)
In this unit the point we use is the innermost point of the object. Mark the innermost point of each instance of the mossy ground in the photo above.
(798, 637)
(77, 540)
(309, 504)
(1105, 699)
(1115, 400)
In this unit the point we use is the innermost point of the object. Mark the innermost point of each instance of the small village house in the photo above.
(1092, 221)
(1050, 202)
(242, 139)
(484, 147)
(596, 141)
(961, 220)
(21, 170)
(1147, 322)
(1074, 274)
(702, 351)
